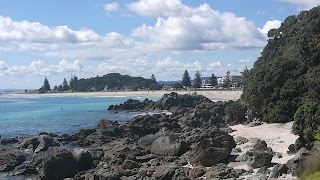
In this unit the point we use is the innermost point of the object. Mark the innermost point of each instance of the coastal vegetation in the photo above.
(284, 84)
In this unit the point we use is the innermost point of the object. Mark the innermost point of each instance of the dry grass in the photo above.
(310, 166)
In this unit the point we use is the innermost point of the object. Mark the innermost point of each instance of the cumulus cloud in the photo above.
(111, 7)
(303, 4)
(3, 66)
(200, 28)
(34, 32)
(275, 24)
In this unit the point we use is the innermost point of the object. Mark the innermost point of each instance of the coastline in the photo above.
(214, 94)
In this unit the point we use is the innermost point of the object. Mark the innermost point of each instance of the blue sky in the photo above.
(163, 37)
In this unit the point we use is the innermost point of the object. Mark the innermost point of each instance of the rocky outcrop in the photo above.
(9, 159)
(55, 163)
(260, 155)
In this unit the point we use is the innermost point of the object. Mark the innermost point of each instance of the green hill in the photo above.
(284, 84)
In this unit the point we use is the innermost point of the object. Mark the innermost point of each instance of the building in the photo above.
(206, 84)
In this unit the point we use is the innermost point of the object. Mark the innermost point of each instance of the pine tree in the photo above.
(65, 85)
(197, 80)
(244, 75)
(153, 78)
(213, 80)
(227, 80)
(46, 85)
(186, 79)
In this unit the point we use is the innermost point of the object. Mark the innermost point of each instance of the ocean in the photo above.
(30, 116)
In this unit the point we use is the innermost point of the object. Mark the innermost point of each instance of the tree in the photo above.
(74, 83)
(55, 89)
(227, 80)
(197, 80)
(46, 85)
(213, 80)
(186, 79)
(244, 75)
(65, 85)
(177, 86)
(153, 78)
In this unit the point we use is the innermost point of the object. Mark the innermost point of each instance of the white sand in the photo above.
(277, 136)
(214, 94)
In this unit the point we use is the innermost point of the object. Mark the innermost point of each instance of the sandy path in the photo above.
(228, 95)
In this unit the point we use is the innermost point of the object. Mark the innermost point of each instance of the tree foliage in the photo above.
(186, 79)
(46, 86)
(213, 80)
(153, 78)
(197, 80)
(227, 80)
(284, 82)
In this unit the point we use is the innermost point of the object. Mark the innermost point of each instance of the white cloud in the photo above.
(201, 28)
(303, 4)
(159, 8)
(275, 24)
(34, 32)
(111, 7)
(244, 60)
(3, 66)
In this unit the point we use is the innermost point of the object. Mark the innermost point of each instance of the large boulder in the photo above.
(209, 146)
(55, 163)
(260, 155)
(84, 160)
(169, 145)
(9, 159)
(45, 142)
(164, 172)
(10, 140)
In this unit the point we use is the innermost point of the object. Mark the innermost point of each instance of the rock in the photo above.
(168, 145)
(84, 160)
(43, 133)
(210, 147)
(25, 170)
(263, 170)
(11, 140)
(222, 171)
(241, 140)
(129, 164)
(28, 143)
(278, 170)
(291, 149)
(45, 142)
(293, 163)
(106, 174)
(55, 163)
(164, 172)
(260, 155)
(236, 150)
(145, 158)
(9, 159)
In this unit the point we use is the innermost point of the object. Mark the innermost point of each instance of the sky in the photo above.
(59, 39)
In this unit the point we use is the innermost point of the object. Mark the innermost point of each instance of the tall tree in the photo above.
(227, 80)
(74, 83)
(197, 80)
(186, 79)
(153, 78)
(65, 85)
(46, 85)
(244, 75)
(213, 80)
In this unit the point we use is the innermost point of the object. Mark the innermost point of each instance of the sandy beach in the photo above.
(217, 95)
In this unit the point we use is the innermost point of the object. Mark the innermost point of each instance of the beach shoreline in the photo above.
(213, 94)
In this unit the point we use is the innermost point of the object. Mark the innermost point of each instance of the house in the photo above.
(206, 84)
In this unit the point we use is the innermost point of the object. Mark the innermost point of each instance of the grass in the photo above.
(311, 165)
(313, 176)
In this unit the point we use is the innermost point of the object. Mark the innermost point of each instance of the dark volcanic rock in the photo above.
(9, 160)
(278, 170)
(25, 170)
(55, 163)
(84, 160)
(260, 155)
(11, 140)
(222, 171)
(164, 172)
(169, 145)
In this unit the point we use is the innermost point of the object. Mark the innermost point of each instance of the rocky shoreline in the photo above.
(191, 142)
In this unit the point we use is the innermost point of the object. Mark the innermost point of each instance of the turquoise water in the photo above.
(30, 116)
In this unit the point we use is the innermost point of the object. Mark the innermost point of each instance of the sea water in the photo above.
(30, 116)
